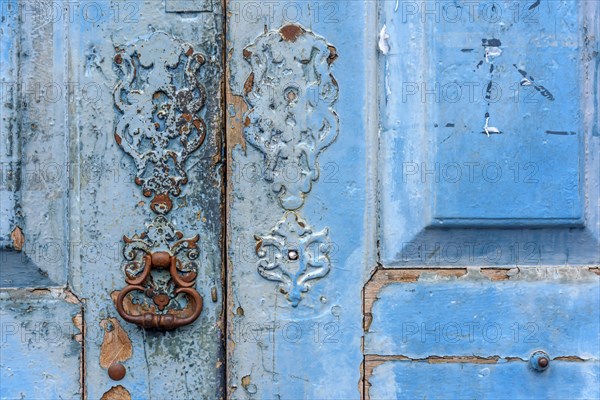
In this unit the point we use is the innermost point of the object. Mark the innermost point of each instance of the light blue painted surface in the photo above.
(8, 131)
(313, 350)
(439, 167)
(505, 380)
(185, 363)
(39, 352)
(554, 310)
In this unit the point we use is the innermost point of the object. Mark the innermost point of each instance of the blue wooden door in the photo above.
(413, 199)
(112, 200)
(299, 200)
(489, 228)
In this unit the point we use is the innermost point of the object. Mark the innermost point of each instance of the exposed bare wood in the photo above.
(116, 346)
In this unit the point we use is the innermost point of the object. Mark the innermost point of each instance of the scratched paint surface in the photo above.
(488, 122)
(298, 339)
(521, 120)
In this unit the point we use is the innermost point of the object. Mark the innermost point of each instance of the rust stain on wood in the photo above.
(383, 277)
(116, 393)
(18, 238)
(116, 345)
(290, 33)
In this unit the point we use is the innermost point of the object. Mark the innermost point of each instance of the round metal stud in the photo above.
(116, 371)
(293, 255)
(539, 361)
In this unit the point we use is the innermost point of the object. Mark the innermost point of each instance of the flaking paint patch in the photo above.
(236, 109)
(79, 337)
(499, 274)
(116, 345)
(18, 238)
(384, 47)
(78, 322)
(246, 381)
(384, 277)
(116, 393)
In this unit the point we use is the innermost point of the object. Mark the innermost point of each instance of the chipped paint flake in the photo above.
(384, 47)
(116, 393)
(490, 129)
(18, 238)
(116, 345)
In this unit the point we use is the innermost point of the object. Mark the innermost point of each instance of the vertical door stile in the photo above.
(302, 151)
(146, 126)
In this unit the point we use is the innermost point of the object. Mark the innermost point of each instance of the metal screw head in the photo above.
(539, 361)
(293, 255)
(116, 371)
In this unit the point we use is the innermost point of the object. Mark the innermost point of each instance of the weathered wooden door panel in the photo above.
(405, 195)
(489, 143)
(300, 204)
(117, 107)
(475, 333)
(408, 380)
(41, 347)
(489, 203)
(41, 344)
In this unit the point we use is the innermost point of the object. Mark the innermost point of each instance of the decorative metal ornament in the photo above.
(290, 94)
(293, 255)
(159, 97)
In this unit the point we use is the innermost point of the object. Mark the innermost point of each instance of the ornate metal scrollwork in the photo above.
(293, 254)
(291, 93)
(159, 97)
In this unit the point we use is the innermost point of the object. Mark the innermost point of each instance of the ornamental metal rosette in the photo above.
(158, 98)
(291, 120)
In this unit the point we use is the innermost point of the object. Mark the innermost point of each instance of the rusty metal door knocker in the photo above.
(161, 260)
(158, 99)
